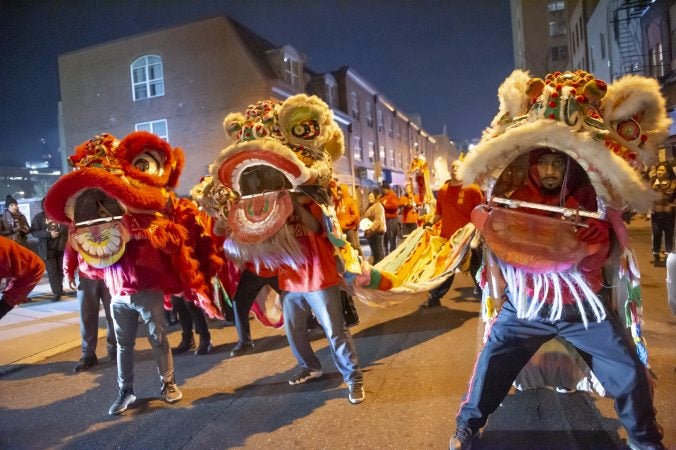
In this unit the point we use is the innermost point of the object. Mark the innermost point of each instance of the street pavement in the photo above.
(417, 364)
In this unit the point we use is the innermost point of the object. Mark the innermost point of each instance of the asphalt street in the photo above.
(417, 363)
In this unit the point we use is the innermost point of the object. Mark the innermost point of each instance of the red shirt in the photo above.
(455, 205)
(390, 202)
(22, 268)
(409, 213)
(319, 271)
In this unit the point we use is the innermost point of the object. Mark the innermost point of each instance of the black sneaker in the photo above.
(184, 346)
(171, 392)
(86, 363)
(302, 375)
(241, 348)
(56, 298)
(203, 348)
(356, 392)
(461, 439)
(634, 445)
(124, 399)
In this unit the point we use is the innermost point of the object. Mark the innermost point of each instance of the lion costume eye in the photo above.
(629, 130)
(307, 129)
(149, 162)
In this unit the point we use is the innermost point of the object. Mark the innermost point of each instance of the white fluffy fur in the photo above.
(632, 94)
(612, 178)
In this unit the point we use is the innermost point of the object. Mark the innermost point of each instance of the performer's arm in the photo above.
(23, 270)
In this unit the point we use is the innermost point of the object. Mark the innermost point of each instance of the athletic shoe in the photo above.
(203, 348)
(124, 399)
(86, 363)
(184, 346)
(242, 348)
(356, 392)
(302, 375)
(171, 392)
(633, 445)
(461, 439)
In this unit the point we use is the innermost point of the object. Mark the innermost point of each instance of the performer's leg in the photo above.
(247, 289)
(296, 312)
(435, 295)
(125, 319)
(87, 297)
(614, 361)
(510, 345)
(150, 305)
(185, 319)
(327, 308)
(104, 295)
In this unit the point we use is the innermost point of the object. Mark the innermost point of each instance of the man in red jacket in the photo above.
(23, 270)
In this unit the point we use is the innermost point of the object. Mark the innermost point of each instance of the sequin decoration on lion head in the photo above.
(613, 131)
(277, 147)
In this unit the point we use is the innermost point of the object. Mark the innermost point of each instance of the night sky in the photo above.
(443, 60)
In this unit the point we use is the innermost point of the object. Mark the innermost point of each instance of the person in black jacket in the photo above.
(52, 239)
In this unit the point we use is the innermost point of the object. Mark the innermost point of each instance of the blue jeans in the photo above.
(148, 305)
(328, 310)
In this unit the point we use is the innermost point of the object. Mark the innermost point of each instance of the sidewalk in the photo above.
(34, 331)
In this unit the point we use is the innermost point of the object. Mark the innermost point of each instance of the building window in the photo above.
(357, 150)
(557, 28)
(158, 127)
(656, 57)
(147, 78)
(603, 45)
(392, 157)
(372, 152)
(379, 115)
(292, 70)
(400, 157)
(560, 53)
(331, 93)
(355, 105)
(369, 114)
(390, 130)
(381, 154)
(556, 5)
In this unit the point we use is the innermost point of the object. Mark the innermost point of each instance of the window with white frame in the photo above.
(292, 67)
(158, 127)
(556, 5)
(392, 160)
(356, 148)
(557, 28)
(381, 154)
(355, 104)
(379, 115)
(400, 157)
(372, 151)
(369, 114)
(656, 58)
(331, 92)
(390, 131)
(147, 77)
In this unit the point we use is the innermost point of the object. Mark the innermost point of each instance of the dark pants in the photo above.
(662, 224)
(604, 347)
(248, 288)
(408, 228)
(377, 248)
(54, 266)
(89, 294)
(188, 315)
(438, 292)
(391, 234)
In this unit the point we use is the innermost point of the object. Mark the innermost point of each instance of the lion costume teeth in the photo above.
(119, 199)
